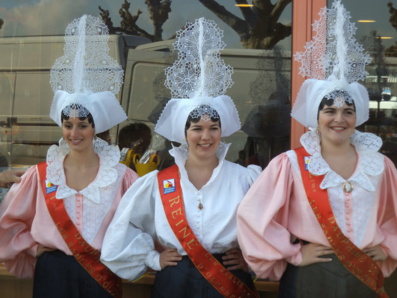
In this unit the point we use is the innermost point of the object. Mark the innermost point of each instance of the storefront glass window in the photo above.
(376, 24)
(258, 40)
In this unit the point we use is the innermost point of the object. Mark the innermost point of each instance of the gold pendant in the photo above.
(200, 206)
(347, 187)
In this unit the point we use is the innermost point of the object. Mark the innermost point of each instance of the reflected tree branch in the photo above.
(260, 28)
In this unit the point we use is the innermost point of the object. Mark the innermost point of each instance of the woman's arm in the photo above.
(18, 249)
(128, 247)
(263, 217)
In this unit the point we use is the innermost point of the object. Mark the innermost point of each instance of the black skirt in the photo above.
(59, 275)
(184, 280)
(322, 280)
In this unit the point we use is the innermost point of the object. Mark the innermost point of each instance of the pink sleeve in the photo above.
(262, 218)
(129, 178)
(387, 217)
(17, 246)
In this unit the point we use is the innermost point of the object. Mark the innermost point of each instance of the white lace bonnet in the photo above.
(334, 62)
(198, 77)
(87, 76)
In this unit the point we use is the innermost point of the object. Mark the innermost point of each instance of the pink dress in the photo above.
(25, 221)
(275, 211)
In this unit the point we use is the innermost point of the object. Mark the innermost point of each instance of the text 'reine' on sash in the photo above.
(213, 271)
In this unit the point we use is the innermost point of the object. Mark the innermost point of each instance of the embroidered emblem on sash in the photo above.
(169, 186)
(307, 161)
(49, 187)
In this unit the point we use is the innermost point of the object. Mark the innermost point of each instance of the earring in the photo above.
(318, 131)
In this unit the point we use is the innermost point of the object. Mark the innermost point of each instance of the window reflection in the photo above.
(376, 29)
(254, 37)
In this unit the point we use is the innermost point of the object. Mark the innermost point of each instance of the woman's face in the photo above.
(77, 133)
(336, 125)
(203, 138)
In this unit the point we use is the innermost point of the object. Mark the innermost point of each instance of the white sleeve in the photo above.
(128, 246)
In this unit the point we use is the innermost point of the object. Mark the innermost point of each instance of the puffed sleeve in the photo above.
(17, 247)
(262, 219)
(253, 173)
(387, 217)
(129, 178)
(127, 250)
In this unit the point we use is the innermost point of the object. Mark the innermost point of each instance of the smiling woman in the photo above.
(181, 221)
(316, 218)
(70, 199)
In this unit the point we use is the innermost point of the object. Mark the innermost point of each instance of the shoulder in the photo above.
(282, 163)
(145, 182)
(249, 173)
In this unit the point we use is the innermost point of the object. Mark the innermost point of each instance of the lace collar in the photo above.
(181, 154)
(109, 157)
(370, 162)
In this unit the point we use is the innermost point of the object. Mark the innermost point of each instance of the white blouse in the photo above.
(140, 221)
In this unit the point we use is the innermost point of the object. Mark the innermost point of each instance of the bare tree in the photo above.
(392, 50)
(1, 23)
(158, 9)
(260, 28)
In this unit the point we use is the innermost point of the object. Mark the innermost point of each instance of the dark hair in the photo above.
(83, 113)
(133, 132)
(330, 101)
(193, 118)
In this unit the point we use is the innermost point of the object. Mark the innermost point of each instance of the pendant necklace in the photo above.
(347, 187)
(200, 206)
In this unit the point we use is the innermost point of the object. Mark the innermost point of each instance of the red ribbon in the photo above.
(213, 271)
(353, 258)
(84, 253)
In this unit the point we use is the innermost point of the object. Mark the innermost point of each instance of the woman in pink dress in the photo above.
(323, 218)
(53, 222)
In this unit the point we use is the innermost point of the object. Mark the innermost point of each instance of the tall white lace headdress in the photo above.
(198, 81)
(86, 76)
(334, 62)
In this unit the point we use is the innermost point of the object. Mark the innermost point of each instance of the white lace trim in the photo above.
(100, 193)
(107, 174)
(365, 179)
(370, 162)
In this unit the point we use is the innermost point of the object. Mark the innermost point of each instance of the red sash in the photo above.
(353, 258)
(85, 254)
(213, 271)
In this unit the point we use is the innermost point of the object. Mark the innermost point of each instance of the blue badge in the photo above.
(307, 161)
(49, 187)
(168, 186)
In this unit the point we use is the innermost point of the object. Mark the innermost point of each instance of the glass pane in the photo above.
(258, 48)
(376, 24)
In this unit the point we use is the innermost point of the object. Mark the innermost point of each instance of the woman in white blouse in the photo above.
(140, 237)
(143, 236)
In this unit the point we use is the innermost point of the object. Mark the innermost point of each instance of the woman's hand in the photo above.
(234, 260)
(9, 177)
(169, 257)
(42, 249)
(312, 253)
(376, 253)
